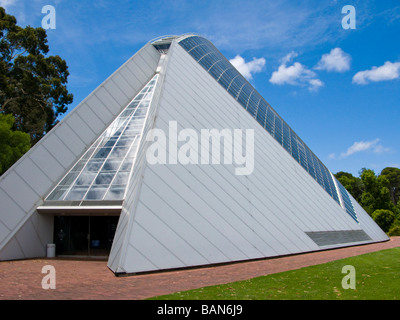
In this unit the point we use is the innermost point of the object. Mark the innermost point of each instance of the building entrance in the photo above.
(87, 236)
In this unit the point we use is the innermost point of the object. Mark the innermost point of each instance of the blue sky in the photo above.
(339, 89)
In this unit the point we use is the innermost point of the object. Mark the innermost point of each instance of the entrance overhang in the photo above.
(81, 210)
(87, 208)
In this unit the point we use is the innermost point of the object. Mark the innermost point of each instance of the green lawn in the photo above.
(377, 278)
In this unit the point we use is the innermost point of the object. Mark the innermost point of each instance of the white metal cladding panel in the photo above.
(123, 85)
(31, 239)
(197, 229)
(16, 213)
(21, 193)
(59, 149)
(225, 234)
(4, 231)
(12, 250)
(46, 162)
(34, 176)
(263, 214)
(80, 128)
(129, 78)
(217, 190)
(65, 132)
(99, 107)
(49, 159)
(116, 92)
(168, 236)
(91, 119)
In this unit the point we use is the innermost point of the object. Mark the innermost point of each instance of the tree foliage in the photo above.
(393, 176)
(353, 184)
(32, 85)
(376, 193)
(379, 195)
(13, 144)
(383, 218)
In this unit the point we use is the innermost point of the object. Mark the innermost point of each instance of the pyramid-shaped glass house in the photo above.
(175, 161)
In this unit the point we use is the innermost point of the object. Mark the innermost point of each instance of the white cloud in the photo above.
(289, 57)
(248, 68)
(360, 146)
(389, 71)
(7, 3)
(315, 84)
(380, 149)
(337, 60)
(295, 74)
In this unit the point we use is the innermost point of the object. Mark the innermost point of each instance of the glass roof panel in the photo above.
(103, 171)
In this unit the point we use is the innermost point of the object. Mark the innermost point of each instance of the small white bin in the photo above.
(51, 250)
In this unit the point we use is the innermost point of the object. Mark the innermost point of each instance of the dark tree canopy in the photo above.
(32, 85)
(393, 176)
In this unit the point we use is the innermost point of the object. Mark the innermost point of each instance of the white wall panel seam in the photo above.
(183, 216)
(210, 209)
(66, 126)
(94, 104)
(127, 81)
(155, 267)
(233, 199)
(178, 235)
(162, 245)
(124, 85)
(37, 169)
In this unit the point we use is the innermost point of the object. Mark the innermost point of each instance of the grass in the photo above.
(377, 278)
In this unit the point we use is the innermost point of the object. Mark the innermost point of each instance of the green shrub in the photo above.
(394, 231)
(384, 218)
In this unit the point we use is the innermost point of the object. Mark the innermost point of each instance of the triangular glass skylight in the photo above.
(102, 173)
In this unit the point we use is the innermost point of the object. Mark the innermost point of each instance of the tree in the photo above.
(384, 219)
(393, 175)
(13, 144)
(353, 184)
(32, 85)
(376, 194)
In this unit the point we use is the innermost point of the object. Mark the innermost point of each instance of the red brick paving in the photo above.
(84, 280)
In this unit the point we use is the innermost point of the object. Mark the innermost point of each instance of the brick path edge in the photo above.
(92, 280)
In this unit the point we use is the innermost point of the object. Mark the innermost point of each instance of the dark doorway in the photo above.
(84, 235)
